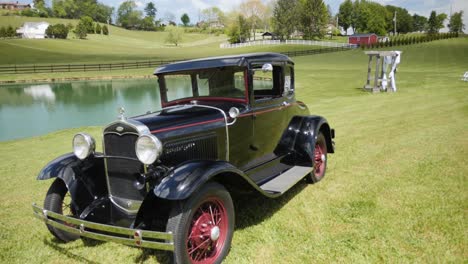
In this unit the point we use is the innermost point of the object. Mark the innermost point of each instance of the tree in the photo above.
(103, 13)
(98, 29)
(213, 17)
(435, 22)
(151, 10)
(440, 20)
(456, 22)
(345, 15)
(79, 8)
(369, 17)
(105, 30)
(147, 24)
(128, 16)
(432, 23)
(285, 18)
(253, 10)
(88, 23)
(404, 19)
(239, 30)
(40, 7)
(419, 23)
(313, 18)
(185, 19)
(174, 35)
(81, 31)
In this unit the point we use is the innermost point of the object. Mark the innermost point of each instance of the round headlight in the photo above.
(83, 145)
(148, 148)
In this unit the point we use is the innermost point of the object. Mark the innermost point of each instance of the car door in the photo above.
(268, 119)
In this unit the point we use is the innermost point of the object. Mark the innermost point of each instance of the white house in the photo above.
(33, 30)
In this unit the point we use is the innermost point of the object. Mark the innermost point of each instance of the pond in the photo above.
(35, 109)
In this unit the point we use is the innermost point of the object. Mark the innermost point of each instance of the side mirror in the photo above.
(267, 67)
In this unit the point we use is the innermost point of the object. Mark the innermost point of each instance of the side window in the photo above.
(288, 80)
(267, 84)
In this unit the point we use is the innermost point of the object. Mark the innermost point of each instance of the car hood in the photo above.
(183, 119)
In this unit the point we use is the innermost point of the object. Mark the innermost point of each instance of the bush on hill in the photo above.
(105, 30)
(2, 32)
(7, 32)
(59, 31)
(88, 24)
(97, 29)
(81, 31)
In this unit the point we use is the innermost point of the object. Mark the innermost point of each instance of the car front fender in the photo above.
(84, 179)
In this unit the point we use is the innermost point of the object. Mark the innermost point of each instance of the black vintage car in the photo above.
(164, 179)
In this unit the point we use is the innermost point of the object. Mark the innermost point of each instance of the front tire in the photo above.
(202, 225)
(320, 160)
(59, 202)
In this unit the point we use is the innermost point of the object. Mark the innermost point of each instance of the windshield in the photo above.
(226, 83)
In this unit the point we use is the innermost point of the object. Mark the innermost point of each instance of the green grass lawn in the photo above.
(395, 191)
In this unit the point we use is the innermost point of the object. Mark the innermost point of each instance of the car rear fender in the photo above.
(185, 179)
(304, 143)
(85, 180)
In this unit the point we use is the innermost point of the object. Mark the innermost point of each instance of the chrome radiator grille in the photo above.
(122, 173)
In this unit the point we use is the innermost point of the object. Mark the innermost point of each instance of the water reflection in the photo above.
(40, 92)
(27, 110)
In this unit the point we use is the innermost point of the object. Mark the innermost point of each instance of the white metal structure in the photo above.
(465, 77)
(33, 30)
(287, 42)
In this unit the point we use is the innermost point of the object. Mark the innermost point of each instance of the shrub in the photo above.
(57, 31)
(50, 31)
(10, 32)
(81, 31)
(105, 30)
(97, 30)
(88, 23)
(2, 32)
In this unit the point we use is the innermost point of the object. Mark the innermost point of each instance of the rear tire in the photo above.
(320, 160)
(58, 201)
(202, 225)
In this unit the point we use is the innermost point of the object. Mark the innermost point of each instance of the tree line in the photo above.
(364, 16)
(306, 19)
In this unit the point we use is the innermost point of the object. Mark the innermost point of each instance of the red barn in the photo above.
(363, 39)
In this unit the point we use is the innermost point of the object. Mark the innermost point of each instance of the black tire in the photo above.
(320, 160)
(55, 201)
(208, 242)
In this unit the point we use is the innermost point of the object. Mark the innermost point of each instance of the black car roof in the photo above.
(241, 60)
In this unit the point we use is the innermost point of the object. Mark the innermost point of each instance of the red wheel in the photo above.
(320, 160)
(208, 231)
(203, 226)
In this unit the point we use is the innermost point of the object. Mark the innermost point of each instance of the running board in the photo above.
(285, 181)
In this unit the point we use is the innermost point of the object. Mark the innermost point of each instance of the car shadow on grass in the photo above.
(250, 208)
(254, 208)
(55, 245)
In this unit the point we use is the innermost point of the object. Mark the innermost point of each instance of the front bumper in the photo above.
(122, 235)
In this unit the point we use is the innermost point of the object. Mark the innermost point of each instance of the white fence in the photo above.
(287, 42)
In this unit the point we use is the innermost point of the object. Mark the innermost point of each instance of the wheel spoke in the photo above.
(211, 214)
(197, 247)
